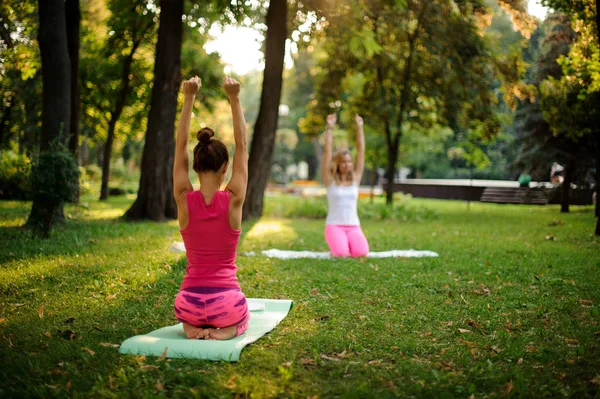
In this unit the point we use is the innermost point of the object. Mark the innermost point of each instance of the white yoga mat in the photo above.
(287, 254)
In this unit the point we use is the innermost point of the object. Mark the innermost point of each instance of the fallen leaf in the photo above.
(390, 384)
(571, 361)
(51, 386)
(287, 364)
(473, 324)
(520, 361)
(374, 267)
(88, 350)
(571, 341)
(307, 361)
(586, 302)
(335, 359)
(164, 354)
(596, 380)
(41, 312)
(314, 291)
(107, 345)
(159, 386)
(148, 367)
(68, 385)
(509, 387)
(47, 334)
(111, 296)
(464, 331)
(230, 384)
(374, 362)
(530, 349)
(321, 318)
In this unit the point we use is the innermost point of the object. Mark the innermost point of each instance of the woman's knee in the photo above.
(340, 252)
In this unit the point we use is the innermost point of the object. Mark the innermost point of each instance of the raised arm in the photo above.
(239, 176)
(328, 151)
(360, 149)
(181, 178)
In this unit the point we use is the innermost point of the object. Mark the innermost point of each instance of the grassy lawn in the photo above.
(509, 309)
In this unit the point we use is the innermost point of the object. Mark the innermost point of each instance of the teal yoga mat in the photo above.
(265, 314)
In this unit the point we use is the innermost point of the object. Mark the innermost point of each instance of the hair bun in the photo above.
(205, 134)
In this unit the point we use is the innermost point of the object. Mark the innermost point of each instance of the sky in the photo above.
(240, 47)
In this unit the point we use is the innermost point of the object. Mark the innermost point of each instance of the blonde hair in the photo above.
(334, 168)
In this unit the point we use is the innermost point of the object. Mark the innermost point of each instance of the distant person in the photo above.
(341, 177)
(557, 173)
(210, 303)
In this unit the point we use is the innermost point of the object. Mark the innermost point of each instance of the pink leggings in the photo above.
(346, 241)
(212, 307)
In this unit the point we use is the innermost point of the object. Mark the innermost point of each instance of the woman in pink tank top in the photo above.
(210, 303)
(342, 227)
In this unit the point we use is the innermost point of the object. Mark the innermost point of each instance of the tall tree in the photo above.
(131, 23)
(155, 197)
(417, 63)
(56, 100)
(265, 128)
(572, 104)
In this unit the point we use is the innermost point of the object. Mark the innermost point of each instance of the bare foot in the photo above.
(195, 332)
(221, 333)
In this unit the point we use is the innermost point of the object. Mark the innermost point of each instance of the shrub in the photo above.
(14, 176)
(316, 208)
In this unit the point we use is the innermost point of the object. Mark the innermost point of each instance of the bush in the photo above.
(316, 208)
(92, 172)
(15, 170)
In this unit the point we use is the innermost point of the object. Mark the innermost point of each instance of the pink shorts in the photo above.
(212, 307)
(346, 241)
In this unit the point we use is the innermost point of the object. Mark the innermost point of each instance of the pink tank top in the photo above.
(210, 242)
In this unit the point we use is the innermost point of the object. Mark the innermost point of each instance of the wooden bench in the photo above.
(517, 195)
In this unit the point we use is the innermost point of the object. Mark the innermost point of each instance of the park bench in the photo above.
(515, 195)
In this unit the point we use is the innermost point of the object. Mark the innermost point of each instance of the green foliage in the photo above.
(14, 175)
(53, 177)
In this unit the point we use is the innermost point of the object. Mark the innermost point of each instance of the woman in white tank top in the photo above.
(342, 227)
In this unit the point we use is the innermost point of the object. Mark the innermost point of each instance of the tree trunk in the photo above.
(565, 199)
(597, 210)
(391, 169)
(56, 79)
(73, 16)
(263, 141)
(56, 97)
(107, 155)
(114, 117)
(373, 181)
(155, 199)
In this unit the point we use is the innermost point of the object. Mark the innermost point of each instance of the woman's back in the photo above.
(210, 242)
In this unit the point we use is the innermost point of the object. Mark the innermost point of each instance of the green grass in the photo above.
(509, 309)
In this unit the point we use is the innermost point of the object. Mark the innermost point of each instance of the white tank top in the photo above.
(341, 205)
